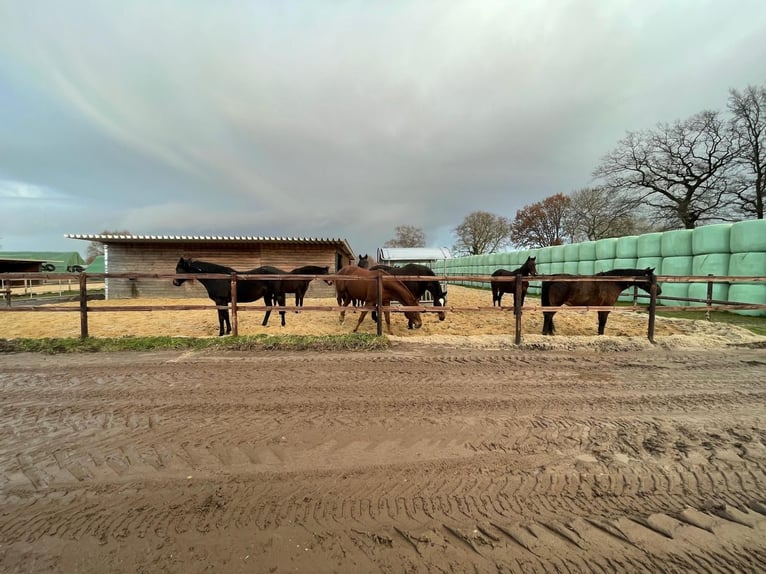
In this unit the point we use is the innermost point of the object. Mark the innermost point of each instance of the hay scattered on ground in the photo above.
(486, 327)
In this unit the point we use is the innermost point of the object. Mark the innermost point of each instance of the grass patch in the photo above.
(53, 346)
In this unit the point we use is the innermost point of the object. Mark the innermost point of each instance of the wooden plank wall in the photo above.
(162, 258)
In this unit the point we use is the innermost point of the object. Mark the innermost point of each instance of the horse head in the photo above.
(530, 266)
(183, 266)
(364, 261)
(649, 272)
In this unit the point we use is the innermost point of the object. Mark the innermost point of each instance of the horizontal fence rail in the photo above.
(81, 279)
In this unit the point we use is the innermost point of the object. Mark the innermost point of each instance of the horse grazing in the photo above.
(300, 286)
(248, 290)
(418, 288)
(500, 287)
(600, 293)
(366, 292)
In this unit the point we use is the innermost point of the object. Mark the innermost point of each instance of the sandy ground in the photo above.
(445, 453)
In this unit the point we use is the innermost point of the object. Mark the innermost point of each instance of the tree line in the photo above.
(710, 167)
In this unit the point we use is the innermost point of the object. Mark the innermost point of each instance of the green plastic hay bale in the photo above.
(571, 267)
(572, 252)
(752, 264)
(557, 268)
(651, 262)
(586, 267)
(749, 294)
(679, 266)
(699, 291)
(557, 254)
(677, 242)
(602, 265)
(625, 263)
(587, 251)
(606, 248)
(649, 245)
(544, 255)
(748, 236)
(711, 264)
(627, 247)
(711, 239)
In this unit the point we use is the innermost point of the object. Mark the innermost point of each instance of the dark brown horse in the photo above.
(418, 288)
(363, 261)
(500, 287)
(248, 290)
(300, 286)
(365, 290)
(598, 293)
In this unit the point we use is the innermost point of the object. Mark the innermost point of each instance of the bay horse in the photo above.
(365, 290)
(418, 288)
(499, 287)
(600, 293)
(248, 290)
(300, 286)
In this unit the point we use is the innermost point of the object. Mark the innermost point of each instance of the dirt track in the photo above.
(424, 458)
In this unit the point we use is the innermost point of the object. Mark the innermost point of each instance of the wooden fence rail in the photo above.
(711, 304)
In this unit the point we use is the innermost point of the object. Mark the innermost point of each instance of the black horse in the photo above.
(300, 286)
(500, 287)
(248, 290)
(598, 293)
(418, 288)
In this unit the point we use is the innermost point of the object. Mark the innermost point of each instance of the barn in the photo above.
(159, 255)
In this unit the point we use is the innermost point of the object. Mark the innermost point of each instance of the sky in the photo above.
(337, 119)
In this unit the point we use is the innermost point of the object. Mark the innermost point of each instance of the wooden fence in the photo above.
(84, 309)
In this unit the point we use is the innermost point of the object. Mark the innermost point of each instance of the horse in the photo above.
(248, 290)
(500, 287)
(418, 288)
(363, 262)
(300, 286)
(600, 293)
(366, 291)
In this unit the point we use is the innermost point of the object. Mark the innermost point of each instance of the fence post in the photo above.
(709, 296)
(652, 306)
(379, 302)
(519, 284)
(234, 322)
(83, 306)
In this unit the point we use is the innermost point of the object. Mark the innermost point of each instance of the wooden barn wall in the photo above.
(162, 259)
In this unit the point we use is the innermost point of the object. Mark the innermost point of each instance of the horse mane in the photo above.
(207, 267)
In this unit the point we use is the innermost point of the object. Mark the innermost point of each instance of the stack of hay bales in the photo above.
(748, 257)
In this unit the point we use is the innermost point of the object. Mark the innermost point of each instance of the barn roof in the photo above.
(109, 238)
(412, 254)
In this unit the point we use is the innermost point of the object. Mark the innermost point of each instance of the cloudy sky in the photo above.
(337, 119)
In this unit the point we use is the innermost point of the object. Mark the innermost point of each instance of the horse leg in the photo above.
(361, 318)
(548, 328)
(281, 302)
(387, 315)
(602, 316)
(269, 302)
(221, 321)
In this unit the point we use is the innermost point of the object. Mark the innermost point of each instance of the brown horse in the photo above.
(598, 293)
(500, 287)
(365, 290)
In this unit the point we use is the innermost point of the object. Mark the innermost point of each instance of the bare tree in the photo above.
(482, 232)
(541, 224)
(407, 236)
(595, 213)
(749, 110)
(96, 248)
(681, 171)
